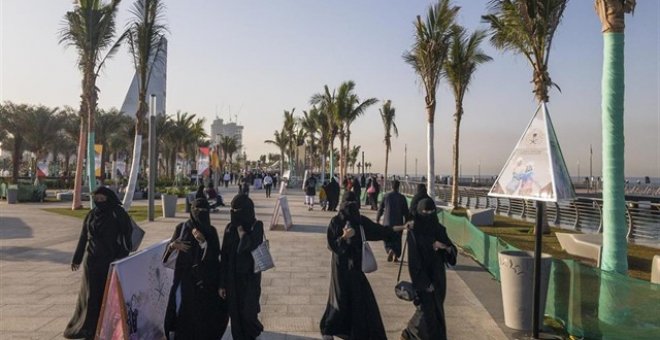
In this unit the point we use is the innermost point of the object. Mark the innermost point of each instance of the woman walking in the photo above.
(194, 309)
(429, 251)
(352, 311)
(104, 238)
(239, 284)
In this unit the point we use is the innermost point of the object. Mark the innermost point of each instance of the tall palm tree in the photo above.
(146, 37)
(387, 114)
(289, 128)
(462, 60)
(90, 28)
(356, 108)
(527, 27)
(615, 244)
(353, 156)
(228, 145)
(327, 105)
(281, 142)
(427, 57)
(309, 123)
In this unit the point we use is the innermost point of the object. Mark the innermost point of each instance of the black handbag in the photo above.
(404, 290)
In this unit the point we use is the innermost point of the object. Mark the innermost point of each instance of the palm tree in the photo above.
(146, 37)
(281, 142)
(327, 105)
(14, 123)
(90, 28)
(462, 60)
(615, 245)
(527, 27)
(427, 57)
(68, 139)
(228, 145)
(309, 123)
(387, 114)
(355, 109)
(289, 128)
(353, 156)
(42, 128)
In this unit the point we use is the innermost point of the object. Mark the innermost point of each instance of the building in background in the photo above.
(231, 129)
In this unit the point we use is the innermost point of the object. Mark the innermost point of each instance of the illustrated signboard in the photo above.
(203, 161)
(136, 296)
(281, 206)
(42, 168)
(536, 169)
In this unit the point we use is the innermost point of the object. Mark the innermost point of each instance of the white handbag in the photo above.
(262, 258)
(369, 263)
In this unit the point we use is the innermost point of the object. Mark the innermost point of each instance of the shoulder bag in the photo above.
(261, 255)
(369, 263)
(404, 290)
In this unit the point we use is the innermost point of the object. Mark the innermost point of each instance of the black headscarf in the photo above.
(349, 209)
(419, 195)
(199, 213)
(242, 211)
(111, 202)
(426, 214)
(200, 192)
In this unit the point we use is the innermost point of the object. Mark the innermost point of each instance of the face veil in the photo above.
(242, 211)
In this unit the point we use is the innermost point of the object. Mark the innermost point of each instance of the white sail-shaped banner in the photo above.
(536, 169)
(157, 86)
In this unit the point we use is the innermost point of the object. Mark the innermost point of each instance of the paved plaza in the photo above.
(38, 290)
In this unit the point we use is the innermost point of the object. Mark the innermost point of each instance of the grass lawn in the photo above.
(139, 213)
(520, 234)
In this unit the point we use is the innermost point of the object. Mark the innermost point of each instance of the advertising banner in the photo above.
(98, 150)
(136, 296)
(203, 161)
(42, 168)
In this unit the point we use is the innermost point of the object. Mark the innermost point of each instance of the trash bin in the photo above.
(169, 205)
(12, 194)
(517, 281)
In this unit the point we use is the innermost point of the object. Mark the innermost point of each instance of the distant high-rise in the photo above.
(230, 129)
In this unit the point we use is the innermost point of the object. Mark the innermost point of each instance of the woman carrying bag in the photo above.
(429, 251)
(352, 311)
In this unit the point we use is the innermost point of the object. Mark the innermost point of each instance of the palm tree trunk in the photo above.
(457, 129)
(332, 158)
(348, 148)
(135, 168)
(430, 168)
(387, 160)
(67, 158)
(80, 157)
(16, 158)
(91, 109)
(342, 154)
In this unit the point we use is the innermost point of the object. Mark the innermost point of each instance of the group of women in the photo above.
(214, 283)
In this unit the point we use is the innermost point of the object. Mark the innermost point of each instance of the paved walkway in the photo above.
(38, 290)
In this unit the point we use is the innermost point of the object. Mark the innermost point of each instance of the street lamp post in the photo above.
(152, 156)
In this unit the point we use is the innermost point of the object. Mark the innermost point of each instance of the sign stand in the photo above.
(536, 171)
(282, 205)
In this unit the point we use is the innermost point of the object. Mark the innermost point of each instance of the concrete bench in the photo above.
(64, 196)
(588, 246)
(481, 216)
(655, 269)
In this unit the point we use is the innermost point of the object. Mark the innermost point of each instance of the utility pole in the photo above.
(405, 161)
(479, 172)
(415, 167)
(591, 174)
(152, 156)
(362, 163)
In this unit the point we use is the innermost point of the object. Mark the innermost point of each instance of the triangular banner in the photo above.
(536, 169)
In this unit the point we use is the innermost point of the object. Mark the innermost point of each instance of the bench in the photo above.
(481, 216)
(588, 246)
(655, 269)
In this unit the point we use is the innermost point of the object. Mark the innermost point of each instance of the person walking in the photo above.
(239, 284)
(429, 251)
(104, 238)
(352, 311)
(357, 189)
(372, 192)
(268, 184)
(194, 308)
(323, 196)
(420, 194)
(226, 178)
(394, 210)
(310, 192)
(333, 194)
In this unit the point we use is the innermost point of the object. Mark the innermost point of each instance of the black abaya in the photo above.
(333, 195)
(202, 314)
(104, 238)
(352, 311)
(242, 284)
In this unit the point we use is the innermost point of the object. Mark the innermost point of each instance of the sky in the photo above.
(251, 60)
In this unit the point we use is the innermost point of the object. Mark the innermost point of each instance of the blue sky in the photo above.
(258, 58)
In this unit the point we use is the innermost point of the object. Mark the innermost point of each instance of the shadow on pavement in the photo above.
(464, 268)
(301, 228)
(19, 254)
(13, 228)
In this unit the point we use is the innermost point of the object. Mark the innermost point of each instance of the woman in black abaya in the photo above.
(429, 250)
(420, 194)
(352, 311)
(105, 237)
(240, 285)
(194, 309)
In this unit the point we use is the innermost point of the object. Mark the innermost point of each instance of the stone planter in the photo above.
(169, 205)
(517, 281)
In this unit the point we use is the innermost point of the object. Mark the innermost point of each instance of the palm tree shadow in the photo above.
(20, 254)
(13, 228)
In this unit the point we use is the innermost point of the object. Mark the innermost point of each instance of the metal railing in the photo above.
(583, 214)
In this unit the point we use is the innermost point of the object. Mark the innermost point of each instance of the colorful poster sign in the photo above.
(136, 296)
(42, 168)
(536, 169)
(203, 161)
(98, 150)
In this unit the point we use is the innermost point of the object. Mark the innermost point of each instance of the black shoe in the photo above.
(390, 256)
